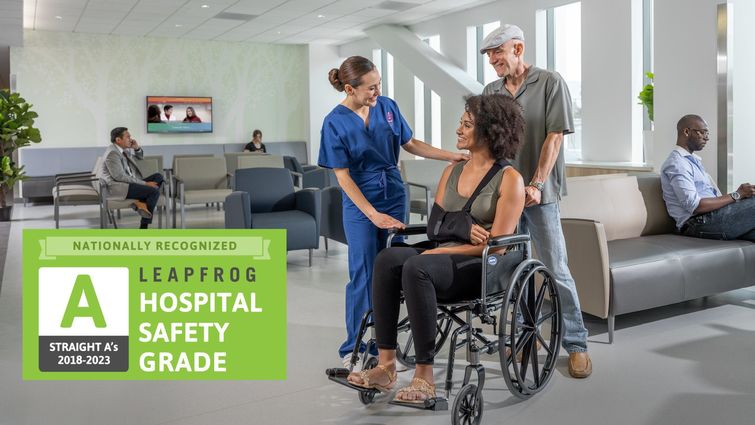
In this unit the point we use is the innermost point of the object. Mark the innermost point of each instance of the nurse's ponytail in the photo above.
(351, 72)
(334, 80)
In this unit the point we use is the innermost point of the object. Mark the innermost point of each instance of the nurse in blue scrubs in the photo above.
(360, 140)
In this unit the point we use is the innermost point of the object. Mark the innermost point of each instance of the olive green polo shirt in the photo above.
(547, 108)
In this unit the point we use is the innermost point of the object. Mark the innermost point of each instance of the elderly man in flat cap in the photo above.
(546, 104)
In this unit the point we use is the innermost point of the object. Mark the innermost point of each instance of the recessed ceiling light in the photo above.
(179, 25)
(205, 6)
(320, 16)
(59, 17)
(279, 32)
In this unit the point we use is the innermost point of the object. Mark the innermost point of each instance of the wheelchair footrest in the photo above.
(435, 403)
(339, 375)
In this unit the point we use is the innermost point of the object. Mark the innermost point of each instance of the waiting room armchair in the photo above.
(80, 188)
(311, 175)
(331, 226)
(265, 199)
(200, 180)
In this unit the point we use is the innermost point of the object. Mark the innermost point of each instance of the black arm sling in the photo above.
(444, 226)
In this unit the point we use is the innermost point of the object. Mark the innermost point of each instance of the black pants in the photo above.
(147, 194)
(424, 280)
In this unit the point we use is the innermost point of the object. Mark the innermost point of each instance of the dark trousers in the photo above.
(734, 221)
(424, 280)
(147, 194)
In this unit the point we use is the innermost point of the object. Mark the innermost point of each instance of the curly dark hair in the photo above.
(498, 123)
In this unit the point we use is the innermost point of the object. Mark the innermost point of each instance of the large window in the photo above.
(384, 63)
(564, 55)
(427, 106)
(642, 63)
(477, 64)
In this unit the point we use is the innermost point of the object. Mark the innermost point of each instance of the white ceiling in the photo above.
(276, 21)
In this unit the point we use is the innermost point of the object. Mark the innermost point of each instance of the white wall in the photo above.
(83, 85)
(323, 97)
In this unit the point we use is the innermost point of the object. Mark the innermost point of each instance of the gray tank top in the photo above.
(483, 207)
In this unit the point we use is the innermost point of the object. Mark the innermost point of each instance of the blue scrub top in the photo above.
(370, 153)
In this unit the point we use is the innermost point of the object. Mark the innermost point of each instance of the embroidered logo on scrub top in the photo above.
(389, 117)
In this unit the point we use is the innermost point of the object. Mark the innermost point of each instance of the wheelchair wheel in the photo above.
(530, 316)
(467, 406)
(367, 397)
(405, 349)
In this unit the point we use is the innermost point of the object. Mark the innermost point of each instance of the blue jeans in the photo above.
(543, 223)
(734, 221)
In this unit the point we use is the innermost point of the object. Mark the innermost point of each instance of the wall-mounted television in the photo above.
(179, 114)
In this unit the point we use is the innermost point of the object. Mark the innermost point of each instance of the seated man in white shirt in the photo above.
(693, 200)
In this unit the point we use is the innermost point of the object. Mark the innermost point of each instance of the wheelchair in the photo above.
(519, 299)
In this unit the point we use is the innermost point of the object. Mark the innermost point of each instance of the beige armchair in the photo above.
(200, 180)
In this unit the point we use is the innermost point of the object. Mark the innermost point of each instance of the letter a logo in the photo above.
(83, 288)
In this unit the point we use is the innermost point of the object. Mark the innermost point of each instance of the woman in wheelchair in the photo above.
(491, 128)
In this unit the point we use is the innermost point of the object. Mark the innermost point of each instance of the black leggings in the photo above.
(424, 279)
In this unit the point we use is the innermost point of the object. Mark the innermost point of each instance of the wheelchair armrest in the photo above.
(412, 229)
(508, 240)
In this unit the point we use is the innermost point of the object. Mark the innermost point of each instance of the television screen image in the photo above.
(176, 114)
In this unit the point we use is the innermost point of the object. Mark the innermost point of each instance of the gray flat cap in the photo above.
(501, 35)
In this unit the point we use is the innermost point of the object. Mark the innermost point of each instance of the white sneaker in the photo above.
(346, 361)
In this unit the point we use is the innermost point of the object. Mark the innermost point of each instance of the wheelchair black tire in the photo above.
(468, 405)
(367, 397)
(518, 345)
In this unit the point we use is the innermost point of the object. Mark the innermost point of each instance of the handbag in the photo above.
(444, 226)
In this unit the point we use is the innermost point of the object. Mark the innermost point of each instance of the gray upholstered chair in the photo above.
(422, 176)
(150, 164)
(312, 175)
(77, 189)
(199, 180)
(265, 199)
(232, 160)
(331, 224)
(170, 176)
(268, 161)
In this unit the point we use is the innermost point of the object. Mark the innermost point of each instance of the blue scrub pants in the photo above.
(365, 241)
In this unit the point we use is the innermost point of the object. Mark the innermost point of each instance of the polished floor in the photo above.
(690, 363)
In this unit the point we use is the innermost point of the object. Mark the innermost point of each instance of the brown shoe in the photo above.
(141, 209)
(580, 365)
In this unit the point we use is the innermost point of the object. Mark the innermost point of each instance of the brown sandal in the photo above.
(418, 385)
(364, 374)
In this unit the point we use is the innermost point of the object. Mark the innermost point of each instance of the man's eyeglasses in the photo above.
(704, 133)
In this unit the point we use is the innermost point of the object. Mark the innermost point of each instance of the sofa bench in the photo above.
(625, 255)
